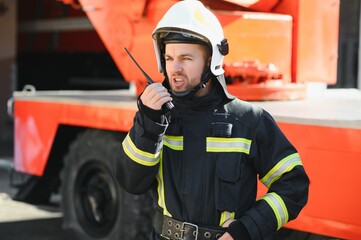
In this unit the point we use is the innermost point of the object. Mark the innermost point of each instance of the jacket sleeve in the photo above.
(280, 169)
(138, 160)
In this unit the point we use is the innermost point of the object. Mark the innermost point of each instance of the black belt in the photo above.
(174, 229)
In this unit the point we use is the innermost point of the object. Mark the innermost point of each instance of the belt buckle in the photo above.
(182, 230)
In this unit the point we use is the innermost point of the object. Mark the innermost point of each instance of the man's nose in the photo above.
(176, 66)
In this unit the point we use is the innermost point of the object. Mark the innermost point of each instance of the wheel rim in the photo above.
(96, 199)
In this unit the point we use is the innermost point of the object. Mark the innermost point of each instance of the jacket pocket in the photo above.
(228, 181)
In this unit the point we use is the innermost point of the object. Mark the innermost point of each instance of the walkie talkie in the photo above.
(168, 105)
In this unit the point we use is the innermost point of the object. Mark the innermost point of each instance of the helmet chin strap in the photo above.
(206, 75)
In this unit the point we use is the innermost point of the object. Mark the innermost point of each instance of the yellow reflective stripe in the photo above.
(160, 188)
(278, 206)
(214, 144)
(285, 165)
(173, 142)
(217, 144)
(226, 216)
(137, 155)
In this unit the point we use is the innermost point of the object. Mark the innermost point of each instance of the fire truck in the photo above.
(283, 54)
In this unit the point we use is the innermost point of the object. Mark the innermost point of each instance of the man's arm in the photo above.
(280, 169)
(137, 163)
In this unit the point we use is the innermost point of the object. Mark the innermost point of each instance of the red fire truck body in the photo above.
(299, 37)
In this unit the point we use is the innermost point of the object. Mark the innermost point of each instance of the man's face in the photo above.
(184, 65)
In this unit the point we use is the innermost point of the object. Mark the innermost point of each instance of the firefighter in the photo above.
(202, 158)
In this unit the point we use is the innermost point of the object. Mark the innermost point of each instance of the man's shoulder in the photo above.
(242, 108)
(243, 112)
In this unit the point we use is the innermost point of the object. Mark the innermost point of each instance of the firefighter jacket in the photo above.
(202, 163)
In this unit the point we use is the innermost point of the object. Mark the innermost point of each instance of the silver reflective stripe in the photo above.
(216, 144)
(285, 165)
(225, 216)
(173, 142)
(279, 208)
(137, 155)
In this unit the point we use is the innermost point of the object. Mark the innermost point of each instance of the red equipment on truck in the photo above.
(277, 48)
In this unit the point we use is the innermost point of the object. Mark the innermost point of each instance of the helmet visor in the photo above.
(166, 36)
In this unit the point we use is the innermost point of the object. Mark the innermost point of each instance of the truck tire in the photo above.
(93, 204)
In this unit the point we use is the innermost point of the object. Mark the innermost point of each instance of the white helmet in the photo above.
(197, 23)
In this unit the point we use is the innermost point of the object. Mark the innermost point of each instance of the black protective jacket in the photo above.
(203, 163)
